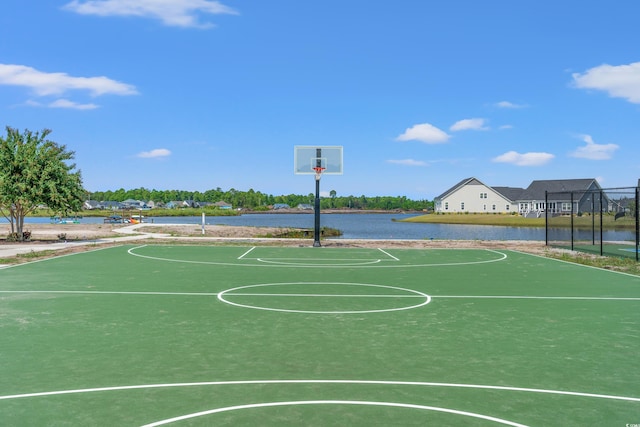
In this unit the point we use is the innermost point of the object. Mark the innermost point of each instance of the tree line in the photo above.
(35, 171)
(255, 200)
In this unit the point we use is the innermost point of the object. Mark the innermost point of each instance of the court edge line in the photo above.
(366, 382)
(58, 256)
(575, 263)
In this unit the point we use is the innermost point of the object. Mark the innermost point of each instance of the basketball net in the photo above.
(319, 171)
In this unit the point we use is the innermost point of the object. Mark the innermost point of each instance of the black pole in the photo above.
(316, 213)
(316, 210)
(593, 218)
(601, 233)
(637, 221)
(572, 220)
(546, 218)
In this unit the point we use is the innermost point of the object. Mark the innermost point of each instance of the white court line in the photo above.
(537, 297)
(502, 257)
(347, 262)
(216, 294)
(365, 382)
(388, 254)
(246, 253)
(324, 295)
(222, 298)
(335, 402)
(206, 294)
(317, 259)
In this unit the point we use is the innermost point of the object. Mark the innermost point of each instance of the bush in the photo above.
(62, 236)
(15, 237)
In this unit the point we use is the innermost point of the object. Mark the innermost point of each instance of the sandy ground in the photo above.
(51, 235)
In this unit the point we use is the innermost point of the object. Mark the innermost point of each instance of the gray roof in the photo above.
(509, 193)
(466, 181)
(536, 190)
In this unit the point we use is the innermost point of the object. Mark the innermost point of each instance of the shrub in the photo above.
(62, 236)
(15, 237)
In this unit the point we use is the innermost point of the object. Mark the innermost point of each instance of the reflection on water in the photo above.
(379, 226)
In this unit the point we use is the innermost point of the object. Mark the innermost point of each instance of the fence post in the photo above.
(546, 218)
(571, 220)
(601, 233)
(637, 222)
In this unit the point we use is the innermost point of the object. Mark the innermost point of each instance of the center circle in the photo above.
(324, 297)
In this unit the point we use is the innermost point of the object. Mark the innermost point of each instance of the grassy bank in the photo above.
(580, 222)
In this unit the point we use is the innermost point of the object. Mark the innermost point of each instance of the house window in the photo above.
(461, 206)
(566, 206)
(493, 207)
(506, 208)
(446, 206)
(483, 195)
(484, 207)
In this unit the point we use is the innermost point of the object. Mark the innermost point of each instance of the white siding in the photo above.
(475, 198)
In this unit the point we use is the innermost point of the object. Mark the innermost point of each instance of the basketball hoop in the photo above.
(319, 171)
(318, 161)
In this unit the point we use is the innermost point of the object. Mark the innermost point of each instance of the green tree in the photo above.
(34, 171)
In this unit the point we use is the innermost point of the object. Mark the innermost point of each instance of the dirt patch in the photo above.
(214, 231)
(49, 232)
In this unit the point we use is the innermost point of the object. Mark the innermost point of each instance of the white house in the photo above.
(473, 196)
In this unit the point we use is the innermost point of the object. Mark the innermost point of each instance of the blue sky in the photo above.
(200, 94)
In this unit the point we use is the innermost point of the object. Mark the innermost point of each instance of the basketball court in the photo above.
(240, 335)
(153, 335)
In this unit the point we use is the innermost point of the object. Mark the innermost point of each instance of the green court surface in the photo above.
(284, 336)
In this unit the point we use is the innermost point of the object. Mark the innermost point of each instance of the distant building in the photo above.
(222, 205)
(473, 196)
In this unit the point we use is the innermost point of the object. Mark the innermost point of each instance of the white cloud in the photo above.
(593, 151)
(510, 105)
(65, 103)
(154, 154)
(424, 132)
(174, 13)
(408, 162)
(45, 84)
(525, 159)
(621, 81)
(469, 124)
(505, 127)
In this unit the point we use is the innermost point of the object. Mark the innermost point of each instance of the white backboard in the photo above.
(307, 157)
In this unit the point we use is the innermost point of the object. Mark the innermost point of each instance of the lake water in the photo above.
(377, 226)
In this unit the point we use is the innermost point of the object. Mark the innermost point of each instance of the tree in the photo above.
(34, 171)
